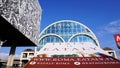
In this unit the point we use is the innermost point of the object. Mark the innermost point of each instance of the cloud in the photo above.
(4, 56)
(105, 34)
(113, 27)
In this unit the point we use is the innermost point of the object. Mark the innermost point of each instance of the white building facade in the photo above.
(68, 37)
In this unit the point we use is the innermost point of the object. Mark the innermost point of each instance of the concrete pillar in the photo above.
(21, 59)
(11, 56)
(20, 63)
(35, 51)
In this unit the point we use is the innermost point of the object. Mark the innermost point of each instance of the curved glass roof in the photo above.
(66, 31)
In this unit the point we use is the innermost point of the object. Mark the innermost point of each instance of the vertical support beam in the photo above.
(21, 59)
(35, 51)
(11, 56)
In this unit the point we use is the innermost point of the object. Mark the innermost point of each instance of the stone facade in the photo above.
(24, 15)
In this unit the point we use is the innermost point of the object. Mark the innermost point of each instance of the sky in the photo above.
(101, 16)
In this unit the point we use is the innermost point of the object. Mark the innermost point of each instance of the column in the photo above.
(11, 56)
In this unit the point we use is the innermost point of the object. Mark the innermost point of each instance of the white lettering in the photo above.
(118, 38)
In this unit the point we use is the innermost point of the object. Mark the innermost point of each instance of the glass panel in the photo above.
(48, 39)
(24, 55)
(65, 30)
(82, 38)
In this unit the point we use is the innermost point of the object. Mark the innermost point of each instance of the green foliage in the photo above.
(68, 55)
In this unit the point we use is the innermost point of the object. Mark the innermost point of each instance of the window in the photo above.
(111, 54)
(24, 55)
(31, 54)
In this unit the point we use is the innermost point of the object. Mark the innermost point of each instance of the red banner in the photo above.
(117, 39)
(73, 62)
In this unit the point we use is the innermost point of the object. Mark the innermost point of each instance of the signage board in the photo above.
(117, 39)
(72, 55)
(73, 62)
(81, 49)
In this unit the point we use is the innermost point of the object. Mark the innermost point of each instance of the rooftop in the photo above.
(107, 48)
(28, 50)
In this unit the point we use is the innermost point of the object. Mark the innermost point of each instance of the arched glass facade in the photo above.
(66, 31)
